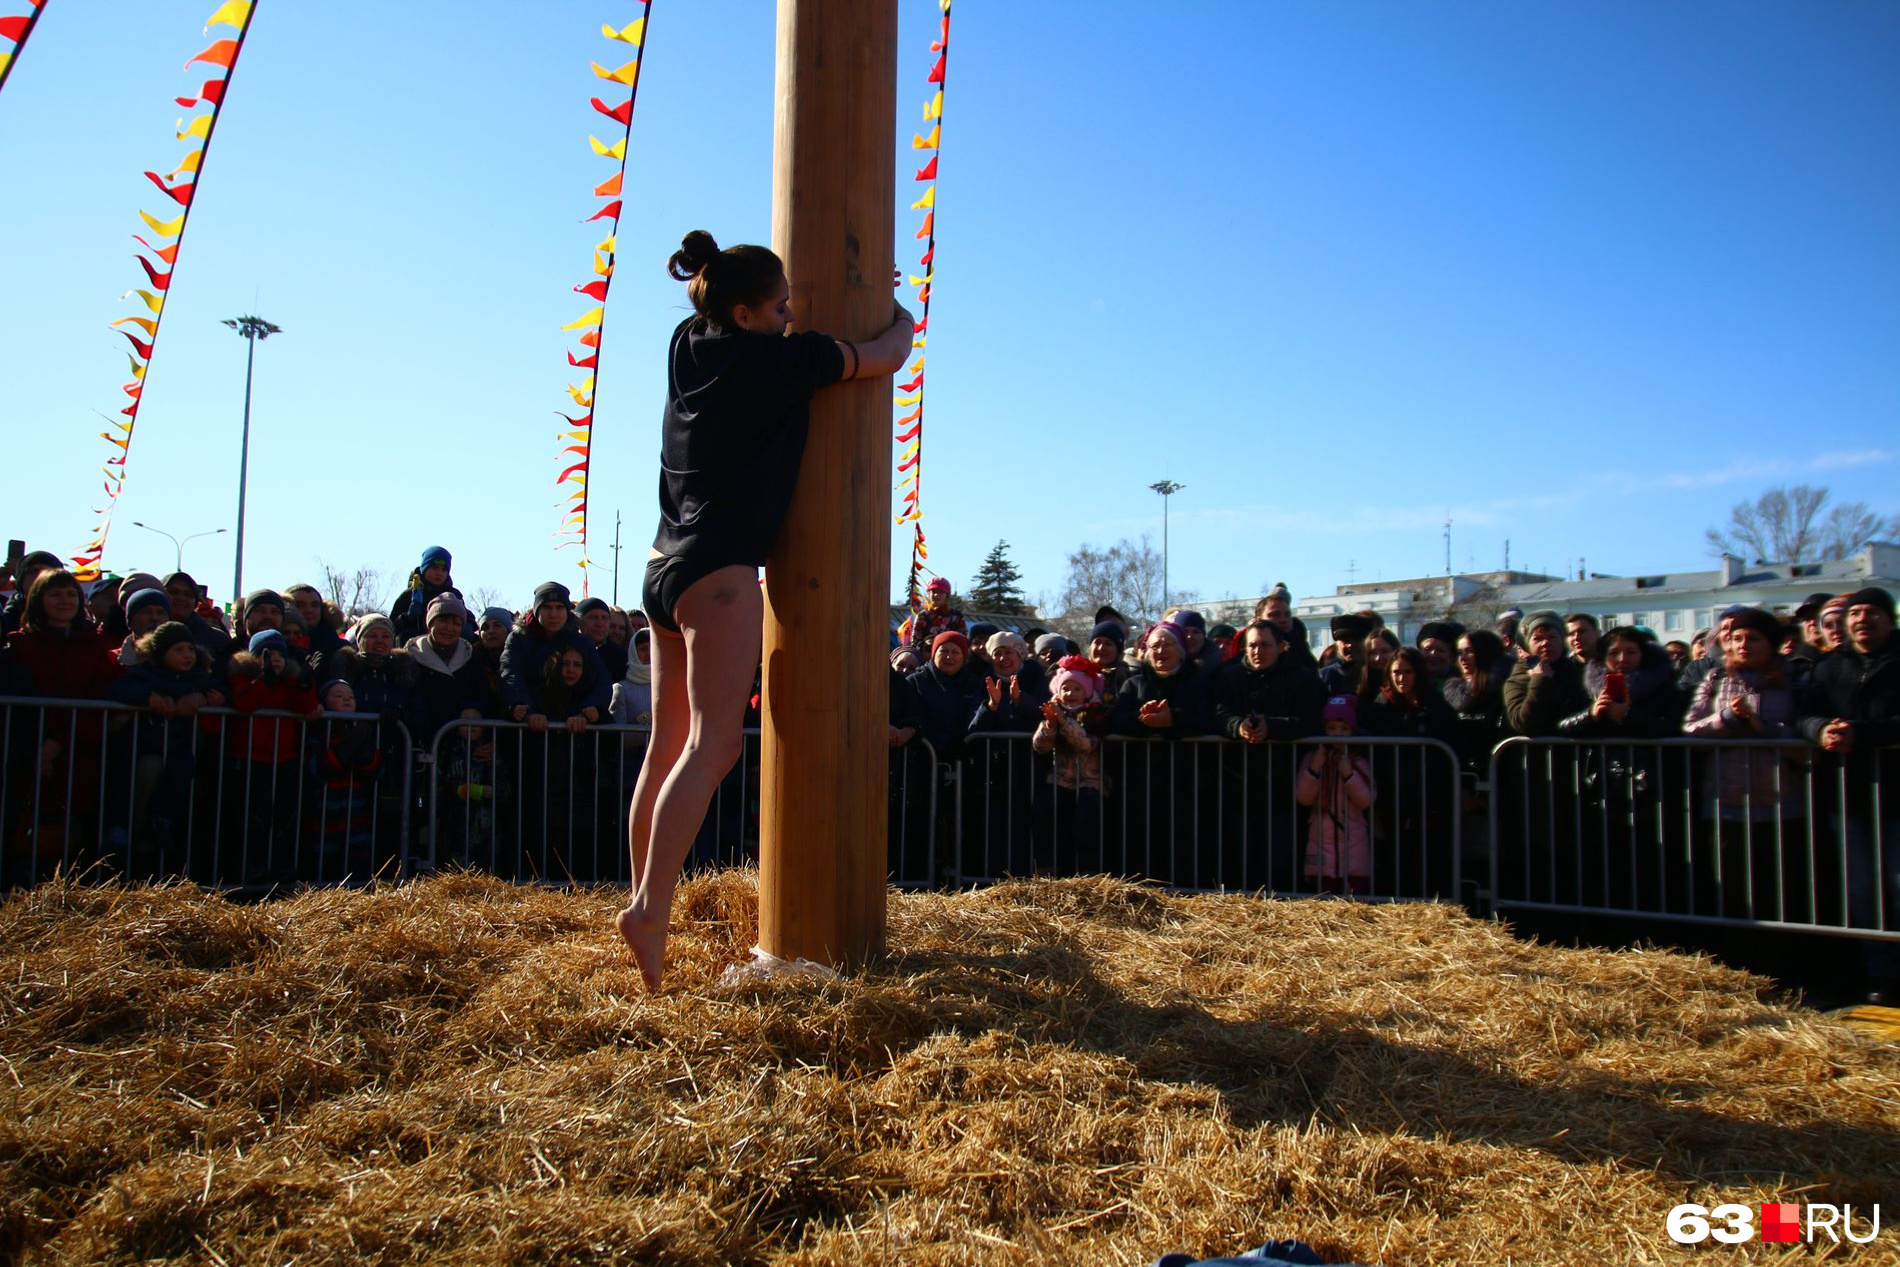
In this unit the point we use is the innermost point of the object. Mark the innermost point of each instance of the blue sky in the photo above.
(1582, 276)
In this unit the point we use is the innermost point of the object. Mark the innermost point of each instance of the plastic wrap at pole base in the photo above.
(767, 968)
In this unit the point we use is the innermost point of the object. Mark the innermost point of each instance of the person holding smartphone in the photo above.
(1545, 685)
(1630, 683)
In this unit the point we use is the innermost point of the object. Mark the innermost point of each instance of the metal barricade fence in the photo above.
(1757, 833)
(1382, 817)
(225, 799)
(552, 806)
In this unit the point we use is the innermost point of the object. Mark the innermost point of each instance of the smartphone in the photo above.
(1617, 687)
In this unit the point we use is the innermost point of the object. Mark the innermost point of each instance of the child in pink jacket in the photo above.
(1337, 783)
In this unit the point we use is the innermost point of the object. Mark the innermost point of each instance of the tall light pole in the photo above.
(1167, 489)
(252, 329)
(178, 545)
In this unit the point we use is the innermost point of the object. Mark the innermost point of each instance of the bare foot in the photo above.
(647, 941)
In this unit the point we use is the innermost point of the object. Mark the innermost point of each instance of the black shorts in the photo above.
(667, 578)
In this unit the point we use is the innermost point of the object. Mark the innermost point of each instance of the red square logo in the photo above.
(1781, 1221)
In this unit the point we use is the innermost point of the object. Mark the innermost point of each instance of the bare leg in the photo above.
(671, 720)
(721, 617)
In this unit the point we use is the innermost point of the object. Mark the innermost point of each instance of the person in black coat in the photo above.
(1267, 698)
(429, 581)
(945, 692)
(548, 628)
(1168, 696)
(1014, 689)
(1266, 694)
(1277, 610)
(596, 626)
(1852, 712)
(450, 680)
(1419, 789)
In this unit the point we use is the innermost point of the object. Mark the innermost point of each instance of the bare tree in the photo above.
(1786, 525)
(1125, 576)
(485, 597)
(355, 593)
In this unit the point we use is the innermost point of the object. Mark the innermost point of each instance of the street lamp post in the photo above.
(252, 329)
(1167, 489)
(177, 545)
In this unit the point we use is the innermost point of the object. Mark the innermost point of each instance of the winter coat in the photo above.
(1480, 720)
(945, 705)
(613, 659)
(388, 686)
(524, 658)
(269, 740)
(446, 685)
(75, 664)
(926, 624)
(1074, 737)
(1287, 697)
(1339, 833)
(1655, 708)
(1187, 692)
(1016, 716)
(142, 681)
(632, 703)
(1747, 781)
(1862, 689)
(412, 606)
(1534, 703)
(1431, 718)
(904, 712)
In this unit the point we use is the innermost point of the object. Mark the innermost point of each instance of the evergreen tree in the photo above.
(996, 587)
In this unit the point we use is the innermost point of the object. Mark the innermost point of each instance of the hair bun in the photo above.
(697, 250)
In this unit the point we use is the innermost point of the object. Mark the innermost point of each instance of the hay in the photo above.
(1081, 1070)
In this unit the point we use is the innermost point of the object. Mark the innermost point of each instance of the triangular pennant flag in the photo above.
(927, 142)
(144, 350)
(913, 384)
(610, 188)
(923, 323)
(905, 402)
(144, 323)
(912, 416)
(924, 261)
(609, 212)
(622, 113)
(933, 109)
(929, 225)
(590, 318)
(601, 266)
(580, 398)
(211, 94)
(943, 39)
(917, 366)
(200, 126)
(928, 200)
(164, 228)
(13, 28)
(632, 33)
(593, 290)
(169, 254)
(908, 434)
(591, 339)
(154, 302)
(929, 170)
(936, 72)
(921, 281)
(188, 164)
(625, 75)
(606, 244)
(584, 363)
(230, 13)
(222, 53)
(617, 150)
(180, 194)
(162, 281)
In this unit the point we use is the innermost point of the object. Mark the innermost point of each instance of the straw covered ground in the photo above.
(458, 1070)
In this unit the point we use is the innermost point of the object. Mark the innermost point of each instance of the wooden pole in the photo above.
(822, 786)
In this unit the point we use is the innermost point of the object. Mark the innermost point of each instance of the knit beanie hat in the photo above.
(136, 581)
(952, 636)
(1838, 603)
(323, 692)
(264, 598)
(1112, 631)
(1342, 708)
(433, 554)
(268, 640)
(44, 560)
(593, 604)
(1078, 669)
(375, 620)
(1051, 642)
(147, 598)
(175, 578)
(980, 633)
(445, 605)
(938, 585)
(1538, 620)
(167, 636)
(1006, 638)
(1169, 628)
(500, 615)
(1281, 592)
(1767, 624)
(551, 592)
(1872, 596)
(1187, 618)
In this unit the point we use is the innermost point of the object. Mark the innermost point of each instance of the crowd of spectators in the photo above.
(1826, 677)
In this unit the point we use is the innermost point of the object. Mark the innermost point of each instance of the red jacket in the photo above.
(75, 665)
(272, 740)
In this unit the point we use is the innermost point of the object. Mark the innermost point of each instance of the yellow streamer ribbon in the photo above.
(590, 318)
(153, 302)
(230, 13)
(617, 150)
(190, 164)
(907, 401)
(927, 142)
(625, 75)
(144, 323)
(580, 398)
(164, 228)
(933, 109)
(200, 127)
(633, 33)
(601, 267)
(928, 200)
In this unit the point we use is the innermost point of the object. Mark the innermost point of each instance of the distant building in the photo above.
(1673, 604)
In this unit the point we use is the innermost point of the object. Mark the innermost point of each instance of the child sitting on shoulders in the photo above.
(1337, 783)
